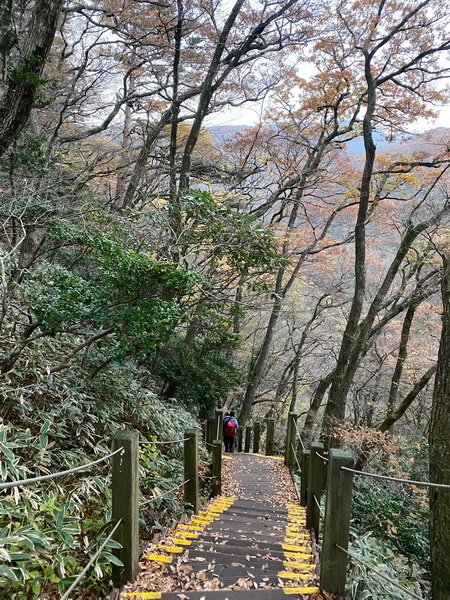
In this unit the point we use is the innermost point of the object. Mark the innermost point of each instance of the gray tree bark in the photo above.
(439, 440)
(21, 77)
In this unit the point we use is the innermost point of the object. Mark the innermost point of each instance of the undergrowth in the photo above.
(48, 530)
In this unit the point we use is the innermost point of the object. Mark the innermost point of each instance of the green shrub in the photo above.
(47, 531)
(394, 513)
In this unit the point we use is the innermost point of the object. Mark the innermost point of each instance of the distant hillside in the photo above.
(432, 141)
(224, 133)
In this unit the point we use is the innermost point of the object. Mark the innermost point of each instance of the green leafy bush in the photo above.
(47, 531)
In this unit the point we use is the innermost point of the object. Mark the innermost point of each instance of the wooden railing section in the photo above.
(329, 476)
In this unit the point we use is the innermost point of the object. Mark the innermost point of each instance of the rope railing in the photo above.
(324, 458)
(337, 517)
(358, 559)
(397, 479)
(296, 457)
(83, 573)
(30, 481)
(125, 496)
(163, 443)
(299, 435)
(318, 505)
(168, 493)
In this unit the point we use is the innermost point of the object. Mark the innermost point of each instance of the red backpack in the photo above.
(229, 429)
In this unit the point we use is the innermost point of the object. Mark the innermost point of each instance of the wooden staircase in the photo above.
(238, 548)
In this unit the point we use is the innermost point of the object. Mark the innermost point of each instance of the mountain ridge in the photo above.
(436, 139)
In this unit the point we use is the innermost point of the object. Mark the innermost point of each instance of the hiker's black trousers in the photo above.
(229, 443)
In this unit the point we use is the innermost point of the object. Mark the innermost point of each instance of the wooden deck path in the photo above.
(252, 546)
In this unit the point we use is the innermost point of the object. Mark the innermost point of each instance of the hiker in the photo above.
(230, 429)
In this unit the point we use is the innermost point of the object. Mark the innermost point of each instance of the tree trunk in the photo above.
(18, 91)
(401, 357)
(261, 358)
(316, 403)
(346, 363)
(439, 441)
(122, 176)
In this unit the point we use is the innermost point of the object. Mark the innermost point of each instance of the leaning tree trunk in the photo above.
(439, 440)
(17, 92)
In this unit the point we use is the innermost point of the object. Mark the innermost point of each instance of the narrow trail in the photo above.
(249, 546)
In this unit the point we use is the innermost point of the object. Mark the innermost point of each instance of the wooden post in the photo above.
(336, 527)
(191, 487)
(219, 425)
(125, 505)
(210, 430)
(270, 433)
(304, 466)
(248, 435)
(315, 478)
(239, 440)
(256, 436)
(290, 439)
(216, 487)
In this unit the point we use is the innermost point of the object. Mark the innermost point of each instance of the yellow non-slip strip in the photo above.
(296, 541)
(292, 564)
(296, 531)
(268, 456)
(172, 549)
(299, 555)
(187, 534)
(190, 527)
(297, 521)
(201, 520)
(294, 548)
(159, 558)
(180, 542)
(292, 575)
(204, 523)
(291, 591)
(152, 595)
